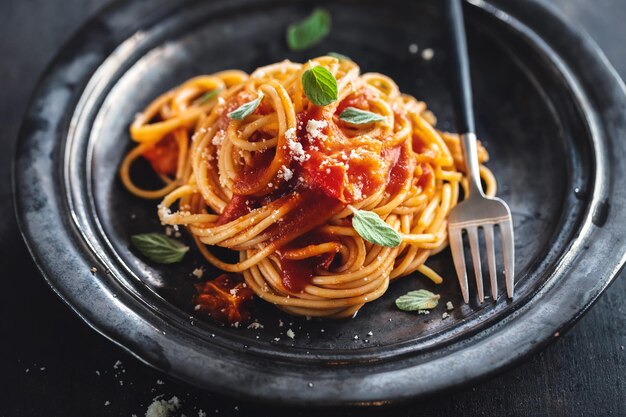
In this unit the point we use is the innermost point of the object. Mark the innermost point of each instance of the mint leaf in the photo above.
(209, 95)
(246, 109)
(373, 229)
(310, 31)
(340, 57)
(320, 86)
(356, 116)
(159, 248)
(417, 300)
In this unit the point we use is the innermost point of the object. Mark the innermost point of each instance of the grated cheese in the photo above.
(219, 137)
(285, 173)
(162, 408)
(298, 152)
(314, 129)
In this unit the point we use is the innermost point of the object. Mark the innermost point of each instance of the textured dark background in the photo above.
(52, 364)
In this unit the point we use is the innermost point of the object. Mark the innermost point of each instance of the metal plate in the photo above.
(549, 108)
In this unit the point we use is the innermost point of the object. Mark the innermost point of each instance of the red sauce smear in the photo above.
(225, 299)
(426, 176)
(312, 209)
(163, 156)
(331, 168)
(250, 174)
(401, 171)
(238, 206)
(297, 274)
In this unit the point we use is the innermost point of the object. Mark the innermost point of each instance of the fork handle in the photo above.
(462, 94)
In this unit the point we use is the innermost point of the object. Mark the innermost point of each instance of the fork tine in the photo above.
(456, 247)
(472, 236)
(491, 260)
(506, 231)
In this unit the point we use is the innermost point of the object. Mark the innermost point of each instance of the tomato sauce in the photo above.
(163, 156)
(226, 299)
(297, 274)
(401, 171)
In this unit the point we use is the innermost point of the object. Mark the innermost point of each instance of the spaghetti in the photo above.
(280, 185)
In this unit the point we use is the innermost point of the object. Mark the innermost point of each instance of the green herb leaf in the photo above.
(310, 31)
(373, 229)
(356, 116)
(159, 248)
(417, 300)
(209, 95)
(320, 86)
(246, 109)
(339, 56)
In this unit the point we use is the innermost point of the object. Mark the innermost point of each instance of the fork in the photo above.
(476, 210)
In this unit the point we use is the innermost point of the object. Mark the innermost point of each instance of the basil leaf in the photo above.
(209, 95)
(373, 229)
(159, 248)
(356, 116)
(417, 300)
(320, 86)
(246, 109)
(340, 57)
(310, 31)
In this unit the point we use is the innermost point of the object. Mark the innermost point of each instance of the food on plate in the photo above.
(327, 183)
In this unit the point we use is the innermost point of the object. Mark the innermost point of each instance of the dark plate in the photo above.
(549, 107)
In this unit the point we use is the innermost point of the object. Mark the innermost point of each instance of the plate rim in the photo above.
(24, 157)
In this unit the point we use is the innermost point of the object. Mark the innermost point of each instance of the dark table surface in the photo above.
(53, 364)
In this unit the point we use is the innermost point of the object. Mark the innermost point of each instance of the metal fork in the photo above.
(477, 210)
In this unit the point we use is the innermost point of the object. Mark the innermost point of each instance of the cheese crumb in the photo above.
(107, 403)
(314, 129)
(445, 315)
(285, 173)
(290, 334)
(162, 408)
(428, 54)
(198, 272)
(296, 148)
(219, 137)
(256, 325)
(290, 134)
(449, 306)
